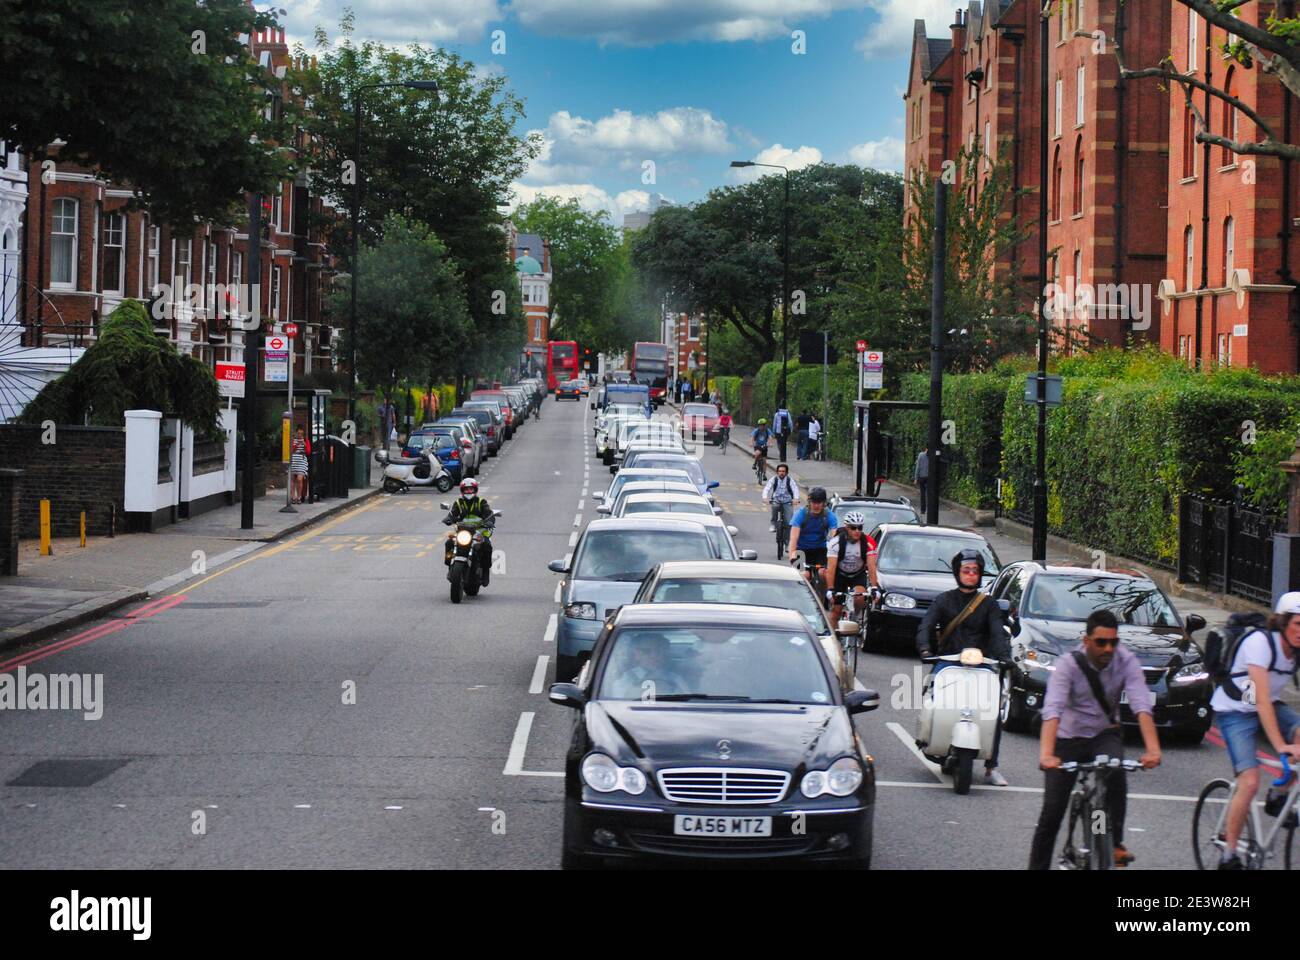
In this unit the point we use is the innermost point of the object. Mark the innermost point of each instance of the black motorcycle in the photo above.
(463, 554)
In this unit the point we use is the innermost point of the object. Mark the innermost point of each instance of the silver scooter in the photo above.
(402, 473)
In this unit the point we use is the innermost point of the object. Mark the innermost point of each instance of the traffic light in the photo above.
(810, 348)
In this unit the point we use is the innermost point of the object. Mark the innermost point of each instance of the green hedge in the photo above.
(729, 387)
(805, 387)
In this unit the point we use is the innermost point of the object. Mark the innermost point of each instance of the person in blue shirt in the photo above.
(761, 437)
(810, 532)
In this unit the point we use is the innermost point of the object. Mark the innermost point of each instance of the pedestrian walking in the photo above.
(299, 450)
(688, 391)
(814, 436)
(921, 477)
(801, 435)
(782, 427)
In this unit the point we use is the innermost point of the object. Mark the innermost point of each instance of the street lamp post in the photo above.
(431, 85)
(785, 268)
(1040, 450)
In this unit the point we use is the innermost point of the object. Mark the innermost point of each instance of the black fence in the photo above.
(1226, 547)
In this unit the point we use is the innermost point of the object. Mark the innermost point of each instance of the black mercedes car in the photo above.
(1046, 607)
(714, 732)
(914, 565)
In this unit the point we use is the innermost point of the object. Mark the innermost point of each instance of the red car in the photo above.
(700, 418)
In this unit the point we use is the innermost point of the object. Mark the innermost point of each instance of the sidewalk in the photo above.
(76, 584)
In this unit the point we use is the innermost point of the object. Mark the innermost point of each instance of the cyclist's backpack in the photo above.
(1222, 646)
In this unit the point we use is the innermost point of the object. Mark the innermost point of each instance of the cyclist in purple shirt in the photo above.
(1088, 726)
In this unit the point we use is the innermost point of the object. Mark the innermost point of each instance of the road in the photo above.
(321, 704)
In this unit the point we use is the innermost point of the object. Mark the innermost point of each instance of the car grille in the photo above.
(728, 785)
(1153, 675)
(756, 847)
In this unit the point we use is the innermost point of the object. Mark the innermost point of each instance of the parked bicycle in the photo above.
(1255, 845)
(1086, 846)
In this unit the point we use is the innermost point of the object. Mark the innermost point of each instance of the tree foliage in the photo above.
(129, 368)
(161, 96)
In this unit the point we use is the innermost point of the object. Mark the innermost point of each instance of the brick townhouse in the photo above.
(531, 256)
(1231, 251)
(87, 250)
(1107, 145)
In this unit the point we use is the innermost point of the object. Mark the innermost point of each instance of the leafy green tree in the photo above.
(159, 95)
(412, 318)
(129, 368)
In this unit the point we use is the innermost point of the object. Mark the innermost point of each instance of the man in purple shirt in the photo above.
(1088, 729)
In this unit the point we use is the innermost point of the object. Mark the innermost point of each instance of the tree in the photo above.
(412, 318)
(129, 367)
(162, 96)
(446, 161)
(1273, 47)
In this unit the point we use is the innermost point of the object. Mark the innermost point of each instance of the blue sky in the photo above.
(687, 85)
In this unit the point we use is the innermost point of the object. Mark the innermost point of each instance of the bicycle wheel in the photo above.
(1209, 822)
(1101, 843)
(1070, 859)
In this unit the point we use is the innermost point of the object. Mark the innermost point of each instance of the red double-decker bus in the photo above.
(561, 362)
(649, 365)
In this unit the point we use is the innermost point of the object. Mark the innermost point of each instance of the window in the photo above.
(1189, 144)
(275, 293)
(63, 244)
(115, 253)
(237, 280)
(1189, 256)
(1229, 249)
(1192, 42)
(154, 233)
(1224, 355)
(1184, 347)
(1056, 186)
(1078, 95)
(212, 269)
(1078, 176)
(1078, 268)
(1060, 88)
(693, 327)
(537, 329)
(277, 206)
(1078, 14)
(1231, 118)
(184, 266)
(988, 141)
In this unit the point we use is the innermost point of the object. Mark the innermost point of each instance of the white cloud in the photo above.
(397, 22)
(781, 156)
(883, 154)
(573, 148)
(589, 196)
(645, 22)
(891, 36)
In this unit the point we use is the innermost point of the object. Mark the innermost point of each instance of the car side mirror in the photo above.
(847, 628)
(717, 511)
(713, 485)
(567, 695)
(748, 554)
(557, 566)
(858, 701)
(604, 509)
(598, 495)
(1194, 622)
(734, 531)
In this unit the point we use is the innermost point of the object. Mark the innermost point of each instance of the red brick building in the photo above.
(1107, 147)
(87, 251)
(1231, 247)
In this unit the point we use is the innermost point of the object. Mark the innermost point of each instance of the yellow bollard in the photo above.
(285, 425)
(46, 550)
(83, 528)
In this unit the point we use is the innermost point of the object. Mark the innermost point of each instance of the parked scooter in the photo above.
(959, 713)
(402, 473)
(463, 555)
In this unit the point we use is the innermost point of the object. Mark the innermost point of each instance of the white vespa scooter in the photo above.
(960, 706)
(402, 473)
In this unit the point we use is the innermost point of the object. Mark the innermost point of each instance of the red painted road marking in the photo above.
(143, 612)
(1216, 738)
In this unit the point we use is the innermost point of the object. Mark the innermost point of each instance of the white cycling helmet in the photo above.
(854, 519)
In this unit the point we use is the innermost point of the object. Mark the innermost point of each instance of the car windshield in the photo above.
(626, 555)
(875, 514)
(692, 468)
(725, 664)
(784, 594)
(666, 506)
(913, 553)
(1136, 602)
(699, 410)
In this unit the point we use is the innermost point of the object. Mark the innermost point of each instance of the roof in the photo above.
(938, 531)
(740, 569)
(661, 496)
(709, 614)
(1071, 571)
(641, 522)
(532, 241)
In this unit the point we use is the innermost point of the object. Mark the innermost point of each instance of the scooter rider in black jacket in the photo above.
(470, 504)
(978, 623)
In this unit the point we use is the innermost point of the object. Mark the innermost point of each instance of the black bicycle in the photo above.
(760, 464)
(1089, 844)
(782, 525)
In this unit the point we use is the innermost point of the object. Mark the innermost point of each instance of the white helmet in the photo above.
(1288, 603)
(854, 519)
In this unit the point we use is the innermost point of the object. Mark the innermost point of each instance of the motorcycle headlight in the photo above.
(464, 538)
(605, 776)
(581, 611)
(900, 601)
(1192, 673)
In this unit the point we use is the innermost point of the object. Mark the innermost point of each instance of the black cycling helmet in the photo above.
(969, 555)
(817, 495)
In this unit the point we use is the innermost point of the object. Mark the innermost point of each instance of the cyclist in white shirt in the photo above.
(782, 493)
(1249, 702)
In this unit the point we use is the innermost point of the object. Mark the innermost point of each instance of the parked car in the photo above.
(914, 564)
(1046, 607)
(752, 584)
(480, 439)
(608, 563)
(513, 417)
(444, 445)
(487, 425)
(470, 456)
(462, 453)
(773, 770)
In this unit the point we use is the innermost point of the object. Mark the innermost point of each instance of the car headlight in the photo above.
(581, 611)
(464, 538)
(605, 776)
(900, 601)
(1040, 659)
(1192, 673)
(843, 777)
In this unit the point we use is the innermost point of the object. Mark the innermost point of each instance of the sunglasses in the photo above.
(850, 527)
(1106, 641)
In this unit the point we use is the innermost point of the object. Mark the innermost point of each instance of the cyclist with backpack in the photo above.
(851, 561)
(810, 531)
(782, 493)
(1250, 661)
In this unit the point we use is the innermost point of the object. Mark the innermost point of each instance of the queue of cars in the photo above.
(713, 708)
(478, 428)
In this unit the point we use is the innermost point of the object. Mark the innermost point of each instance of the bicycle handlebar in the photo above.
(1100, 763)
(1286, 771)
